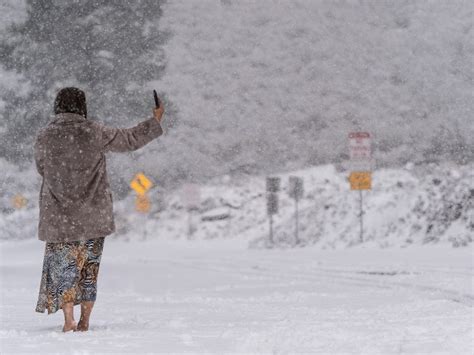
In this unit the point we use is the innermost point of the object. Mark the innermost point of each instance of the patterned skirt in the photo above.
(70, 271)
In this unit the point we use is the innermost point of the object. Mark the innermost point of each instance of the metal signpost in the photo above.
(141, 184)
(295, 190)
(360, 177)
(273, 186)
(191, 197)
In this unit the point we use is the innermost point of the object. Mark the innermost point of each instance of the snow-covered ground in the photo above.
(215, 297)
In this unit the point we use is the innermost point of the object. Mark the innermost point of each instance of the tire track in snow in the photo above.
(274, 272)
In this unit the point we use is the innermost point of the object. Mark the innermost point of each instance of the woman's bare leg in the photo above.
(86, 309)
(69, 323)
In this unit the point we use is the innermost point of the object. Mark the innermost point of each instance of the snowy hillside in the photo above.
(424, 205)
(268, 86)
(415, 205)
(277, 85)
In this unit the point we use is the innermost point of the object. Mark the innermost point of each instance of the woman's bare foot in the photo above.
(86, 309)
(70, 326)
(83, 326)
(69, 323)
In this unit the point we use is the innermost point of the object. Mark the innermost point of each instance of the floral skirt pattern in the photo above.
(70, 271)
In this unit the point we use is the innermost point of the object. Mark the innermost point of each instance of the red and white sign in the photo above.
(191, 195)
(359, 146)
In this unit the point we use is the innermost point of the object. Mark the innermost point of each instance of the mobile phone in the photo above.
(157, 100)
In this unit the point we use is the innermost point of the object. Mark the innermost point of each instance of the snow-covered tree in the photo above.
(110, 49)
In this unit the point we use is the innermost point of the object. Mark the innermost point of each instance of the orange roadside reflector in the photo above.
(19, 201)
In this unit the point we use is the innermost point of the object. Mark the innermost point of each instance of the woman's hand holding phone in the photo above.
(159, 109)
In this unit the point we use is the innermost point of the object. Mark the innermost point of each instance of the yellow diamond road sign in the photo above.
(361, 180)
(141, 184)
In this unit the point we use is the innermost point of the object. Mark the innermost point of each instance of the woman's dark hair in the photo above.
(71, 100)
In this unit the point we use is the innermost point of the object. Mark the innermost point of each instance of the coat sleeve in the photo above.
(39, 156)
(129, 139)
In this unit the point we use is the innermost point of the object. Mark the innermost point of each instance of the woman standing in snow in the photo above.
(75, 201)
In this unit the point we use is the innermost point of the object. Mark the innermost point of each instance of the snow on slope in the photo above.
(404, 207)
(416, 205)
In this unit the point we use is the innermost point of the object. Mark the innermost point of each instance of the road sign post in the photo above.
(273, 187)
(141, 184)
(295, 191)
(361, 179)
(191, 197)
